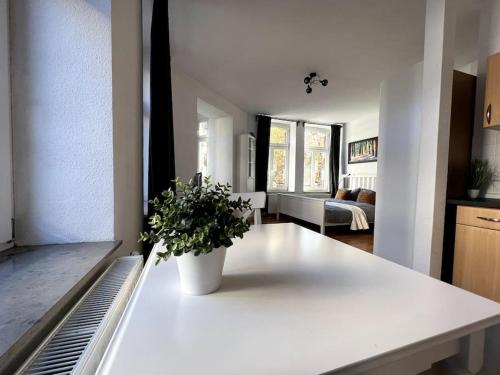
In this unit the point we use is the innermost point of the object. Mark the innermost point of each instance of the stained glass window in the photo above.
(315, 137)
(279, 135)
(307, 167)
(279, 148)
(279, 169)
(316, 157)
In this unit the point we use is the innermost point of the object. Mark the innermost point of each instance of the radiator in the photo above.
(78, 342)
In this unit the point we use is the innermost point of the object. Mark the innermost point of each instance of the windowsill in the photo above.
(39, 285)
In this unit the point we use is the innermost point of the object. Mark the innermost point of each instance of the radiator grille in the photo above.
(62, 351)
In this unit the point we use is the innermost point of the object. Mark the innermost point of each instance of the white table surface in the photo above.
(291, 302)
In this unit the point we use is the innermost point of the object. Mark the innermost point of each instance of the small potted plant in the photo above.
(480, 177)
(196, 225)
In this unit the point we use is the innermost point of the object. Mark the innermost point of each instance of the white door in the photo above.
(6, 194)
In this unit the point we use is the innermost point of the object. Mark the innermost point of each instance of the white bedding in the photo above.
(359, 220)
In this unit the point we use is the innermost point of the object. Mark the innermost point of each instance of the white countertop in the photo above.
(291, 302)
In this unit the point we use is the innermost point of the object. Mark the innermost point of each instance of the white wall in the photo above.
(62, 120)
(486, 142)
(437, 82)
(6, 199)
(362, 128)
(399, 137)
(220, 142)
(185, 94)
(470, 68)
(252, 124)
(413, 194)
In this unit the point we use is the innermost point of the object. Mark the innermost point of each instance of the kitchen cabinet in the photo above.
(491, 114)
(477, 251)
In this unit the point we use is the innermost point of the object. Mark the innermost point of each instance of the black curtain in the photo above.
(335, 158)
(262, 152)
(161, 169)
(161, 124)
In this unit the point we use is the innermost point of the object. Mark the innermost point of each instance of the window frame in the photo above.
(278, 146)
(326, 150)
(6, 131)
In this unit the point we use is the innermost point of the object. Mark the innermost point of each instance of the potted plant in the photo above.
(480, 177)
(196, 225)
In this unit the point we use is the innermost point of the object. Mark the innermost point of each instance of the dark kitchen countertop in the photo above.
(480, 202)
(38, 284)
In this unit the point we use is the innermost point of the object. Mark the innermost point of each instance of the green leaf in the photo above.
(196, 218)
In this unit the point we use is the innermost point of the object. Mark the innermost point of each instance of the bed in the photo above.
(322, 211)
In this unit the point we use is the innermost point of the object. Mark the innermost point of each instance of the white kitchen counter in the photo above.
(295, 302)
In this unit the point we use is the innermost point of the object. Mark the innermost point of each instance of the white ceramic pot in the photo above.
(201, 274)
(473, 193)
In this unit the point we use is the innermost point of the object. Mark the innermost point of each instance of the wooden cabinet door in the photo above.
(491, 114)
(476, 266)
(487, 218)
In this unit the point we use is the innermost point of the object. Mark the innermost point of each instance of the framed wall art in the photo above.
(363, 151)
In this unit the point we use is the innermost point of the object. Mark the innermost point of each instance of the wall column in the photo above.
(434, 138)
(299, 158)
(126, 34)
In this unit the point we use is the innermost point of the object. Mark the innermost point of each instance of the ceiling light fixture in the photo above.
(314, 79)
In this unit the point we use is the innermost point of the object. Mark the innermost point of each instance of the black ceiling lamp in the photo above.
(314, 79)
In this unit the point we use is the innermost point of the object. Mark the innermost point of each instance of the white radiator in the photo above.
(77, 344)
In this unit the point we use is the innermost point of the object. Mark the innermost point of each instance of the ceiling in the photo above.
(257, 53)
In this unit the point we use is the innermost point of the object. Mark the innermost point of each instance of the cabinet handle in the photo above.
(488, 114)
(492, 219)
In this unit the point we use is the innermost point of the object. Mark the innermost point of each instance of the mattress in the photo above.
(337, 215)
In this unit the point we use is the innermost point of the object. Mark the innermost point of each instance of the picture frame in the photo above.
(362, 151)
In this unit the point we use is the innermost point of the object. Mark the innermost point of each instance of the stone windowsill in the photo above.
(39, 284)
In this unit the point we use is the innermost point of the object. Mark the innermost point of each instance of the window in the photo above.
(6, 194)
(279, 156)
(203, 148)
(316, 157)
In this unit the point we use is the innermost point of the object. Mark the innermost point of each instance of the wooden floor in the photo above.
(360, 239)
